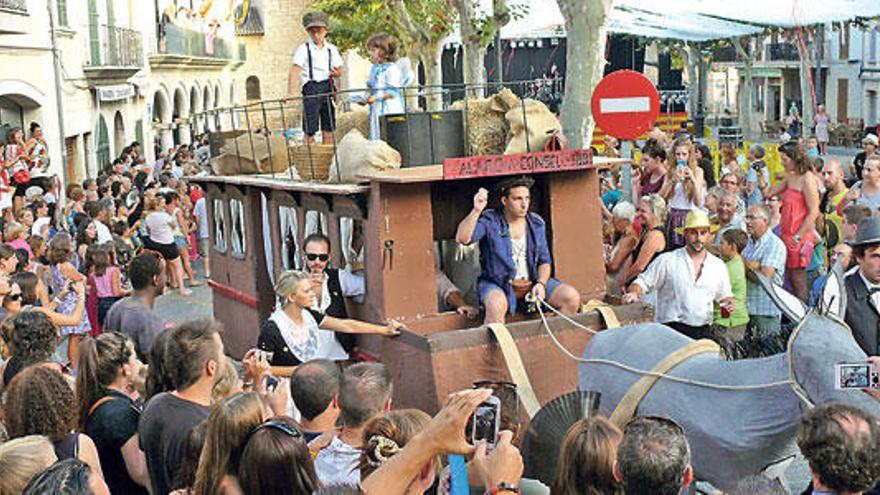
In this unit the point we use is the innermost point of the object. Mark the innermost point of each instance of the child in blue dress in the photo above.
(388, 77)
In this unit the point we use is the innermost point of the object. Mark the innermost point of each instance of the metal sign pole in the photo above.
(626, 148)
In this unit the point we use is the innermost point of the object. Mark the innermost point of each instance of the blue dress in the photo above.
(68, 304)
(384, 79)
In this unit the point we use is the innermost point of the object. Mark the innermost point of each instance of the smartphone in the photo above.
(485, 422)
(855, 375)
(271, 383)
(264, 355)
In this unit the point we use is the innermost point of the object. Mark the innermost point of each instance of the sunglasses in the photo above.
(313, 257)
(280, 426)
(14, 297)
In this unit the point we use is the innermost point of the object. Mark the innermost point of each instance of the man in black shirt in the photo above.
(194, 358)
(314, 388)
(869, 145)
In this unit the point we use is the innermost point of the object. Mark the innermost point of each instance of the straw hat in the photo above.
(697, 219)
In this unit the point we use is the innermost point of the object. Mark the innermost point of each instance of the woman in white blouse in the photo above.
(295, 333)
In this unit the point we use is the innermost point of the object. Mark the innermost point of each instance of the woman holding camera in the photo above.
(295, 333)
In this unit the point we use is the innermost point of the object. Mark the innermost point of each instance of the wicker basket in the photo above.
(313, 161)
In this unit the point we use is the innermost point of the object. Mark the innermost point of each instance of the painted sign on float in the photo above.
(525, 163)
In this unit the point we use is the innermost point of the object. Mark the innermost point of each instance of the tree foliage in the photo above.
(353, 22)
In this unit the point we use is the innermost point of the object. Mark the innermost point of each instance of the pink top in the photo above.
(791, 217)
(21, 244)
(104, 283)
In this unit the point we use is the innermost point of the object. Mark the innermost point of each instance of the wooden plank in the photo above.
(282, 182)
(408, 175)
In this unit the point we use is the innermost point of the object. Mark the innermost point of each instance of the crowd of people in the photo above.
(100, 395)
(692, 250)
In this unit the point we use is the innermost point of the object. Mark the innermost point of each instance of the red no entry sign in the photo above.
(625, 104)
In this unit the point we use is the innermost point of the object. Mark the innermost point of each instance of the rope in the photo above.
(790, 382)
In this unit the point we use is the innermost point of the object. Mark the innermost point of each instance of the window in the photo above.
(316, 222)
(219, 226)
(351, 233)
(290, 258)
(239, 243)
(252, 88)
(62, 12)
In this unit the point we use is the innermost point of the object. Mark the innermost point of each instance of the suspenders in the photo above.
(311, 69)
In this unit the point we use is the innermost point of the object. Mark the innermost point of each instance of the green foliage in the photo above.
(353, 22)
(485, 26)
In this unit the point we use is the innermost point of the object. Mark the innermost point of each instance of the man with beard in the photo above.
(835, 191)
(514, 256)
(133, 315)
(688, 281)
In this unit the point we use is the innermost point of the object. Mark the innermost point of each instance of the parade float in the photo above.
(405, 211)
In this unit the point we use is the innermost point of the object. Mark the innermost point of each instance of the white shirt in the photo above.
(321, 62)
(37, 227)
(103, 232)
(679, 297)
(158, 226)
(337, 464)
(875, 296)
(352, 285)
(518, 248)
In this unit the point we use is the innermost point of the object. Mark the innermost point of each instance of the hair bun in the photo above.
(380, 449)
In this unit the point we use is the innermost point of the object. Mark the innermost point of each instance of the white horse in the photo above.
(739, 416)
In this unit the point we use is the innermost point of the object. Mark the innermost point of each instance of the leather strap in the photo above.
(628, 405)
(604, 310)
(516, 368)
(97, 404)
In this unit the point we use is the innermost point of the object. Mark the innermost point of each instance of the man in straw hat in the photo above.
(514, 256)
(315, 64)
(863, 287)
(688, 281)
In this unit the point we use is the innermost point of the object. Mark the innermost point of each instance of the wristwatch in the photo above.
(502, 487)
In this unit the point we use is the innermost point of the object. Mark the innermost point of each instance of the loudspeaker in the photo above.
(424, 138)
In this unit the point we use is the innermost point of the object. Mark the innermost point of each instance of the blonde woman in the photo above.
(23, 458)
(652, 241)
(295, 333)
(683, 189)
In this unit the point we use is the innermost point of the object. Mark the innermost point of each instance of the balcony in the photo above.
(782, 52)
(14, 6)
(186, 48)
(116, 55)
(14, 17)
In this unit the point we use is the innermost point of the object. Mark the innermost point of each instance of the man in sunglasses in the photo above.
(331, 285)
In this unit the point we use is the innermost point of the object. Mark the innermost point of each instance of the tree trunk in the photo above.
(806, 93)
(475, 69)
(586, 25)
(745, 87)
(433, 78)
(691, 53)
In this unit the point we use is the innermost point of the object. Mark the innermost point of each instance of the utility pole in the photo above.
(59, 105)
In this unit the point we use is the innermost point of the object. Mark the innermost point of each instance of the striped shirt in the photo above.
(769, 250)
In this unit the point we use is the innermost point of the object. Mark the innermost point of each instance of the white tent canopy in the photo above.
(695, 20)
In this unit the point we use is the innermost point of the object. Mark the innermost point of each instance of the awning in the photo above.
(692, 20)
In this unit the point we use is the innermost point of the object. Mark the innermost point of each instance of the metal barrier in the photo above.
(263, 119)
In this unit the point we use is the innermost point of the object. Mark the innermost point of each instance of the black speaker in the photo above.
(424, 138)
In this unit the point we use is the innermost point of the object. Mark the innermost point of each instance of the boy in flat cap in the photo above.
(315, 64)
